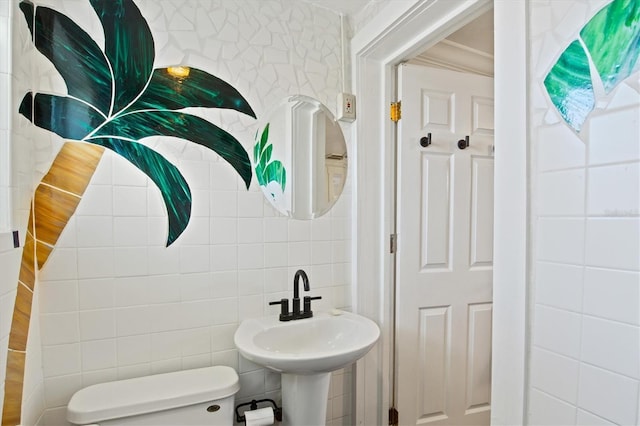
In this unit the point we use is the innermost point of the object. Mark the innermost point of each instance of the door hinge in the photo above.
(395, 111)
(393, 416)
(393, 243)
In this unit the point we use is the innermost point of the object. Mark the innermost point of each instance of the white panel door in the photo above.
(445, 248)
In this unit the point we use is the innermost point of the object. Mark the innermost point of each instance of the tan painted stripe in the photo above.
(55, 201)
(53, 209)
(74, 167)
(21, 318)
(13, 387)
(27, 274)
(60, 192)
(42, 253)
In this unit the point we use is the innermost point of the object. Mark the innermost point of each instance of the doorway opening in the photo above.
(444, 227)
(398, 34)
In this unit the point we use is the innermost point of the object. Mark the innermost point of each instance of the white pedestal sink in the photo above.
(306, 351)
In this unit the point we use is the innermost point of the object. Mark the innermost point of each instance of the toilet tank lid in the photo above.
(148, 394)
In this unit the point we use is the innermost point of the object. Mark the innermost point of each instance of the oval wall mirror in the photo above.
(300, 158)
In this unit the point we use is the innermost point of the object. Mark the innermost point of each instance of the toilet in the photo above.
(191, 397)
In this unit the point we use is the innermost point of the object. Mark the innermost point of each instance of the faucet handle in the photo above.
(284, 309)
(307, 305)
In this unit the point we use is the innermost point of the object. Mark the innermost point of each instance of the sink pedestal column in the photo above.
(304, 399)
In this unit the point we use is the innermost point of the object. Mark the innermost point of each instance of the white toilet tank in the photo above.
(191, 397)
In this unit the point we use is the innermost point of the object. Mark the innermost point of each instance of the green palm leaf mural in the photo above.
(114, 99)
(611, 39)
(117, 94)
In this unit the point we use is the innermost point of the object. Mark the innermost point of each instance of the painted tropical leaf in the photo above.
(569, 86)
(117, 94)
(612, 37)
(172, 185)
(201, 89)
(129, 48)
(141, 124)
(69, 118)
(612, 42)
(266, 169)
(74, 54)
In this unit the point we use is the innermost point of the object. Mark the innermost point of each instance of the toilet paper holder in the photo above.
(253, 405)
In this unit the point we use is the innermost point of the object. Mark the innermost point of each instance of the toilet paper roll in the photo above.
(259, 417)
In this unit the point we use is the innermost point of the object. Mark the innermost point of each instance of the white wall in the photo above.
(585, 203)
(114, 302)
(9, 258)
(19, 170)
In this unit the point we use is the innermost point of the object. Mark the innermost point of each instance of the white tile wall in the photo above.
(556, 375)
(544, 409)
(605, 149)
(613, 242)
(612, 294)
(589, 419)
(557, 330)
(611, 345)
(561, 193)
(608, 395)
(58, 297)
(558, 148)
(560, 240)
(585, 344)
(605, 186)
(559, 285)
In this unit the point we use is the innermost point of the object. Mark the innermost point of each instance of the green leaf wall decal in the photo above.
(67, 117)
(75, 55)
(569, 86)
(612, 42)
(142, 124)
(129, 46)
(612, 37)
(28, 10)
(199, 89)
(172, 185)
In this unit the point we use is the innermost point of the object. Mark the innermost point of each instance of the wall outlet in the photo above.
(346, 107)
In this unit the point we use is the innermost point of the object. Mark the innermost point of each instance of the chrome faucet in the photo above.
(295, 314)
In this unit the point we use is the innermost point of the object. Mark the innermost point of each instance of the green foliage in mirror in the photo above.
(268, 170)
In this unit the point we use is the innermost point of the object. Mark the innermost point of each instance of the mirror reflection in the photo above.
(300, 158)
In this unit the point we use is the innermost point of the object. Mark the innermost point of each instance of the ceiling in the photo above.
(477, 34)
(469, 49)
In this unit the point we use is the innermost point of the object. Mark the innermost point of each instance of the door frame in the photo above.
(402, 29)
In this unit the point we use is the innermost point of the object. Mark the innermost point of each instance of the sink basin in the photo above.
(323, 343)
(306, 351)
